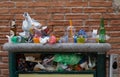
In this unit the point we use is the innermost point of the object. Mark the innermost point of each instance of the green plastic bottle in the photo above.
(102, 32)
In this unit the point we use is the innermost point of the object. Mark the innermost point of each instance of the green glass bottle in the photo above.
(102, 32)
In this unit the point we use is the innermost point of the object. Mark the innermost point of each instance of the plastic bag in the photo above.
(28, 24)
(70, 59)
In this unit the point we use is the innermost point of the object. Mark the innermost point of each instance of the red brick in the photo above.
(19, 17)
(4, 23)
(76, 4)
(110, 10)
(21, 0)
(2, 41)
(116, 46)
(19, 30)
(113, 28)
(4, 11)
(1, 48)
(4, 0)
(114, 51)
(41, 16)
(114, 34)
(95, 22)
(3, 75)
(6, 17)
(21, 4)
(95, 16)
(59, 29)
(58, 34)
(92, 22)
(3, 53)
(77, 0)
(58, 10)
(3, 66)
(95, 10)
(21, 10)
(4, 29)
(58, 17)
(58, 23)
(115, 22)
(101, 4)
(77, 10)
(9, 4)
(76, 23)
(96, 0)
(3, 36)
(114, 40)
(44, 4)
(43, 22)
(19, 21)
(52, 0)
(40, 10)
(76, 16)
(5, 71)
(5, 59)
(111, 16)
(64, 23)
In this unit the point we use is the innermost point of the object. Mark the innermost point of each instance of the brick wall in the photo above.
(85, 14)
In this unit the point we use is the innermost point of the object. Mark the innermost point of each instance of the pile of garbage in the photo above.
(57, 62)
(35, 32)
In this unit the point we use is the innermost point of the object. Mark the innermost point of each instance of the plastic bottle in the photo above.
(71, 32)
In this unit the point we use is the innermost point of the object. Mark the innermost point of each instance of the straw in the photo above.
(71, 33)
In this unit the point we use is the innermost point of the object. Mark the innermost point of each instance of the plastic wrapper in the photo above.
(70, 59)
(52, 39)
(64, 39)
(83, 33)
(44, 40)
(27, 25)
